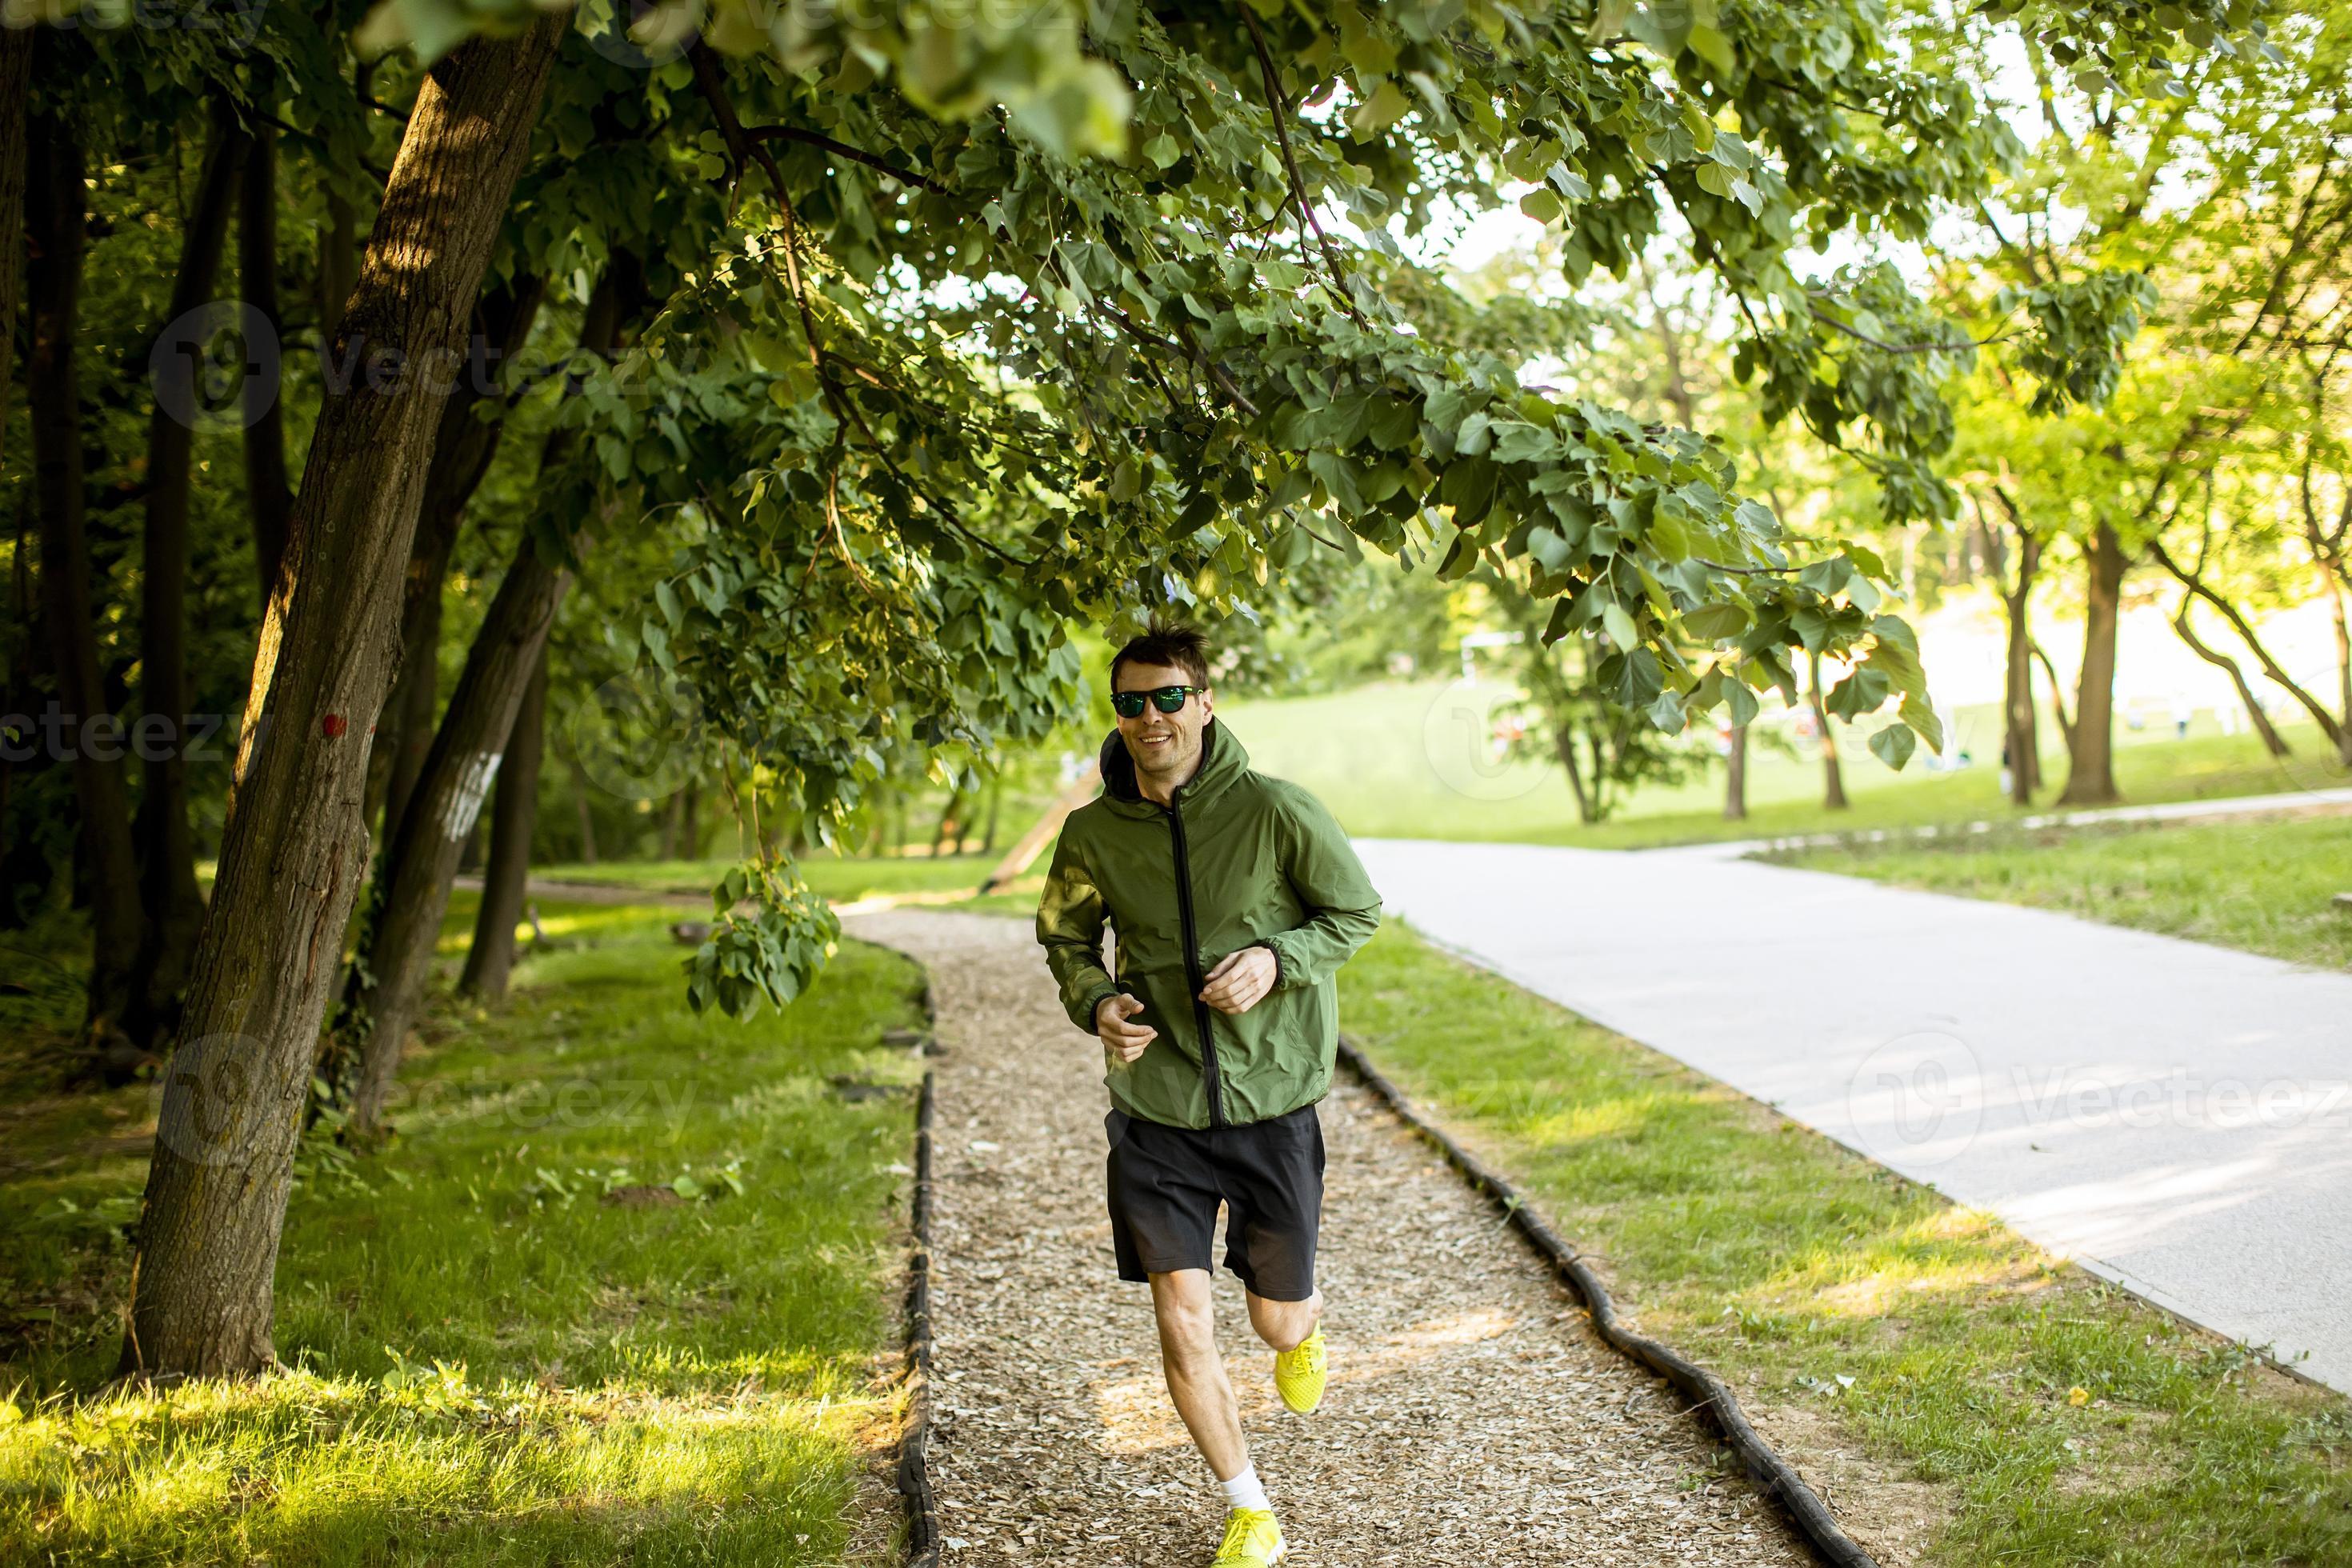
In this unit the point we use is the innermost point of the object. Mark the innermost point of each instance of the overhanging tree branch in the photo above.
(1281, 114)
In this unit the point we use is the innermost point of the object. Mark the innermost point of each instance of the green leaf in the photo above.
(1894, 744)
(1619, 626)
(1710, 623)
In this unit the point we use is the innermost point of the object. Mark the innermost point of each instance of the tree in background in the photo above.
(896, 473)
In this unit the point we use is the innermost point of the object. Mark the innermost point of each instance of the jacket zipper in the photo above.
(1210, 1077)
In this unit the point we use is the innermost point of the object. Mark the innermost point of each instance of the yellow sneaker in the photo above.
(1298, 1374)
(1253, 1539)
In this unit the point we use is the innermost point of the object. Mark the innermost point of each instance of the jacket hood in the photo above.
(1222, 761)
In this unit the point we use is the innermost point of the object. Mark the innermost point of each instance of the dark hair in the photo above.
(1167, 643)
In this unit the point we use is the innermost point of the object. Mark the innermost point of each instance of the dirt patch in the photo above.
(1893, 1517)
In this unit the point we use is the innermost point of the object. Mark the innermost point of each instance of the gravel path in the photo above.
(1472, 1415)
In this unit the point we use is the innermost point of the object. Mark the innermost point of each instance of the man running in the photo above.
(1234, 899)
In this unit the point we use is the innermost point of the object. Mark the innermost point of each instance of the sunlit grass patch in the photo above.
(623, 1289)
(2265, 887)
(2055, 1418)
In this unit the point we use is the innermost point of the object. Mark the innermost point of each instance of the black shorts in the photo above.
(1167, 1182)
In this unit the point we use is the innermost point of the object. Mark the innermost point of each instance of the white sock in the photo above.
(1243, 1491)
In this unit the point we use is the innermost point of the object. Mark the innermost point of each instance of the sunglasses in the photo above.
(1166, 698)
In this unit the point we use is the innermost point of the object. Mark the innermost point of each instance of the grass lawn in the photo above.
(1395, 760)
(2265, 887)
(841, 879)
(2043, 1416)
(487, 1363)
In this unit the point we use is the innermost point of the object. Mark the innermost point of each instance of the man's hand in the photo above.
(1126, 1040)
(1242, 981)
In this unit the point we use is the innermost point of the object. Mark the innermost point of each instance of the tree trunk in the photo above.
(490, 959)
(2091, 775)
(1563, 741)
(464, 447)
(995, 804)
(1735, 777)
(435, 832)
(56, 224)
(587, 817)
(167, 851)
(295, 850)
(268, 495)
(2272, 741)
(441, 816)
(670, 825)
(2057, 695)
(16, 76)
(690, 807)
(2329, 579)
(948, 837)
(2194, 582)
(1832, 772)
(2023, 737)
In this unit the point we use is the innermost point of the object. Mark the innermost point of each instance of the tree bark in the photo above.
(587, 817)
(16, 78)
(1734, 776)
(2327, 555)
(2272, 741)
(167, 851)
(56, 228)
(435, 828)
(2022, 730)
(441, 816)
(464, 447)
(1832, 772)
(295, 850)
(2334, 589)
(2090, 774)
(2057, 694)
(490, 958)
(268, 495)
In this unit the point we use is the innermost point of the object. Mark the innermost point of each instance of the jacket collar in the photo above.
(1222, 761)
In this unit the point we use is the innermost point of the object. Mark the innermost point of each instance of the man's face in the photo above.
(1164, 745)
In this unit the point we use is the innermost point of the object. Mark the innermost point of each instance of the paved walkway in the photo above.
(2176, 1117)
(1472, 1417)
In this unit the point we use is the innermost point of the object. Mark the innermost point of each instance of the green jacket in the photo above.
(1240, 860)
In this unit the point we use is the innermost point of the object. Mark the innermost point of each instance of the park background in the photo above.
(659, 1320)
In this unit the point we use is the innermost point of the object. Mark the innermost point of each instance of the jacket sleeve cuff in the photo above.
(1279, 967)
(1086, 1022)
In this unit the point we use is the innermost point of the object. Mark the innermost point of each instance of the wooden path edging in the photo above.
(1712, 1399)
(923, 1540)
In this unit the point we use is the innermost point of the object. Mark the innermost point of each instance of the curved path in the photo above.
(2175, 1117)
(1473, 1417)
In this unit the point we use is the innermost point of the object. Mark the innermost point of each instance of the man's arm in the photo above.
(1070, 916)
(1343, 910)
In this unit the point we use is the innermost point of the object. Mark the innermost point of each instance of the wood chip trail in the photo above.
(1472, 1417)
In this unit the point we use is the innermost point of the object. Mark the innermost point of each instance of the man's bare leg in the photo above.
(1196, 1372)
(1283, 1324)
